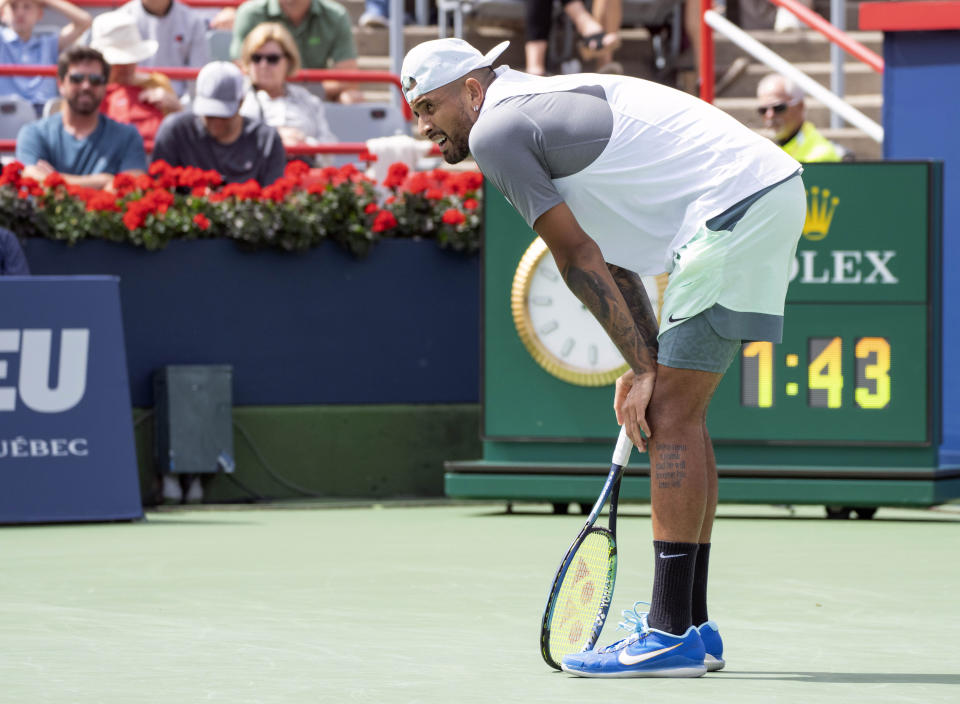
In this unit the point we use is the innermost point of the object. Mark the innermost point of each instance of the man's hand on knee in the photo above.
(630, 400)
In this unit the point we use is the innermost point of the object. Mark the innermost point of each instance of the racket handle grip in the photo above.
(621, 454)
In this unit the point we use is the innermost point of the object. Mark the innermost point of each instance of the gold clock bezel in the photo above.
(519, 297)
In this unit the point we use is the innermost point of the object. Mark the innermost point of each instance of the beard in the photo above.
(83, 103)
(458, 148)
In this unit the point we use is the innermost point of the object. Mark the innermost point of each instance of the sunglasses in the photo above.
(777, 109)
(272, 59)
(95, 79)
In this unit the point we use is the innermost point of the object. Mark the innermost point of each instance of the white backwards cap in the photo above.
(430, 65)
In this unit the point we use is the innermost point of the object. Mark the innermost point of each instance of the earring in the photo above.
(476, 108)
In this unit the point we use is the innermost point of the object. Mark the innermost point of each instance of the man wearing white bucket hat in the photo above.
(180, 31)
(622, 177)
(134, 97)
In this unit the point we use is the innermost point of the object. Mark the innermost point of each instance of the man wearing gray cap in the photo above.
(215, 135)
(622, 177)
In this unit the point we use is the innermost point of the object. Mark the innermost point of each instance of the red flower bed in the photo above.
(299, 210)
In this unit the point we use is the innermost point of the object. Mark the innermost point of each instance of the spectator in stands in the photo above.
(216, 136)
(763, 14)
(751, 14)
(20, 45)
(85, 147)
(137, 98)
(599, 32)
(180, 33)
(13, 262)
(376, 13)
(321, 29)
(780, 104)
(269, 57)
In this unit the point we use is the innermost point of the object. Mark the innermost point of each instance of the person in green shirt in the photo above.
(321, 29)
(782, 108)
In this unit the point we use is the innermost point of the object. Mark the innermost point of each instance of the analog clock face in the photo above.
(559, 332)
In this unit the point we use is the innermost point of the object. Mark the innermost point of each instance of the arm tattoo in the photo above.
(600, 294)
(635, 294)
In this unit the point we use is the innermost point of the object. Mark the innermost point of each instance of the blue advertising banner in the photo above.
(66, 428)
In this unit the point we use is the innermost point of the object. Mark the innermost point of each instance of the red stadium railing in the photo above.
(10, 145)
(191, 3)
(805, 15)
(185, 73)
(706, 54)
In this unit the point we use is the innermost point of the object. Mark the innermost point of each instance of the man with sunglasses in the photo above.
(782, 108)
(86, 147)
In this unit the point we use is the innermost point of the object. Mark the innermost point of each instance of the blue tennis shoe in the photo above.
(647, 652)
(713, 645)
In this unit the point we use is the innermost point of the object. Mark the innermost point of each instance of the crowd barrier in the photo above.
(8, 145)
(188, 73)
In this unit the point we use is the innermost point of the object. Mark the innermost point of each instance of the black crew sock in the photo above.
(699, 602)
(672, 586)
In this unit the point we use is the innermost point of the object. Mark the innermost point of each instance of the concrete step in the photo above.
(794, 46)
(858, 78)
(745, 109)
(860, 145)
(373, 42)
(636, 52)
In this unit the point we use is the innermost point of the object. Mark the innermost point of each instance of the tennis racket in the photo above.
(582, 589)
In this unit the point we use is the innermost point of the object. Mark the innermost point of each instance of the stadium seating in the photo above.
(15, 112)
(218, 41)
(363, 121)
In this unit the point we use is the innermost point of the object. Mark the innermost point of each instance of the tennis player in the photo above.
(622, 177)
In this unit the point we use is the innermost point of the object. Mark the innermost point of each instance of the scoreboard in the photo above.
(857, 360)
(852, 393)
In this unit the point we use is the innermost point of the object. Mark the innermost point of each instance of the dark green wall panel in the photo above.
(334, 451)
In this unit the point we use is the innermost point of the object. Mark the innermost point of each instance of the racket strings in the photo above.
(583, 594)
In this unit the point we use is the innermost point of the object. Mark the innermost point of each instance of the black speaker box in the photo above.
(193, 418)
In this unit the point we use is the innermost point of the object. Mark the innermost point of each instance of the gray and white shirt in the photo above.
(641, 166)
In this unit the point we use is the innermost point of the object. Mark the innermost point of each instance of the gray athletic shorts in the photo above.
(696, 345)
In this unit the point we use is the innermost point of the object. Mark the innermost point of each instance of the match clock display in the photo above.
(852, 373)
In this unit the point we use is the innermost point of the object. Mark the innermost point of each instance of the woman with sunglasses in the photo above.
(269, 57)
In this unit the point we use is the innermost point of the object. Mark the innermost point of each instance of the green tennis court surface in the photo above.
(443, 603)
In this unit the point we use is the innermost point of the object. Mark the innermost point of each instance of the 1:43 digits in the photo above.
(825, 375)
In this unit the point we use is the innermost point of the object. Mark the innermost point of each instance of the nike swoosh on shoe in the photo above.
(635, 659)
